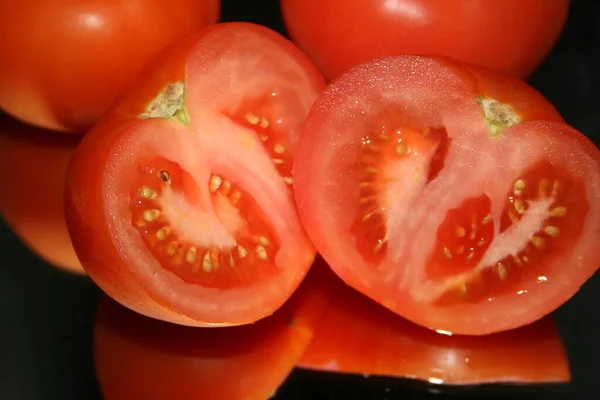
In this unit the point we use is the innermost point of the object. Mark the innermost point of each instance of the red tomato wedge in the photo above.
(141, 358)
(359, 336)
(454, 196)
(34, 164)
(179, 202)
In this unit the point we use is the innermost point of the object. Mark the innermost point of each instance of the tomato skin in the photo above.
(511, 36)
(32, 188)
(434, 92)
(137, 357)
(103, 252)
(65, 74)
(358, 336)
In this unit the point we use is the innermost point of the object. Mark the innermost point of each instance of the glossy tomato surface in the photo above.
(358, 336)
(513, 36)
(64, 63)
(179, 202)
(452, 195)
(34, 164)
(138, 357)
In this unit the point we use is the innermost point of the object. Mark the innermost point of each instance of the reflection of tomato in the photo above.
(452, 195)
(359, 336)
(63, 63)
(32, 182)
(141, 358)
(509, 35)
(179, 202)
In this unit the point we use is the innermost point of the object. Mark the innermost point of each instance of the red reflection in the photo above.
(359, 336)
(140, 358)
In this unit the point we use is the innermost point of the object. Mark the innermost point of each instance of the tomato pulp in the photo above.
(179, 202)
(455, 196)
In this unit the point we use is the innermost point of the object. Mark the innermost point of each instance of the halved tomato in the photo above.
(179, 202)
(450, 194)
(359, 336)
(32, 185)
(140, 358)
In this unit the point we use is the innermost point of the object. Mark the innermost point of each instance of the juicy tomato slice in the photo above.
(452, 195)
(138, 357)
(179, 202)
(32, 185)
(359, 336)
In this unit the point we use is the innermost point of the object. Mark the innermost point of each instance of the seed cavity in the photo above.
(207, 263)
(519, 206)
(150, 215)
(552, 231)
(402, 148)
(538, 242)
(502, 271)
(242, 252)
(190, 256)
(165, 176)
(162, 233)
(147, 193)
(261, 252)
(215, 183)
(447, 253)
(279, 148)
(558, 212)
(518, 187)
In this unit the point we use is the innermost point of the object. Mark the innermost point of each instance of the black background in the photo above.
(47, 315)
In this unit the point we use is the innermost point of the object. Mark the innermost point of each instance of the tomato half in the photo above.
(141, 358)
(32, 186)
(450, 194)
(513, 36)
(360, 337)
(65, 62)
(179, 202)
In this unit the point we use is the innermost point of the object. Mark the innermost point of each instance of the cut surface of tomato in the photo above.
(359, 336)
(138, 357)
(180, 201)
(455, 196)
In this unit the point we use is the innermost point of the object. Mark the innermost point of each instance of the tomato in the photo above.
(452, 195)
(179, 202)
(513, 36)
(358, 336)
(32, 185)
(64, 63)
(137, 357)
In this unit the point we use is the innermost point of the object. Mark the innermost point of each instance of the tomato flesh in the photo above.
(452, 195)
(187, 181)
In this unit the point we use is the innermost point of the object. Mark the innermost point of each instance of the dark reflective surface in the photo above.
(47, 315)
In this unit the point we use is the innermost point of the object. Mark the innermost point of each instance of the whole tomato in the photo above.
(64, 62)
(513, 36)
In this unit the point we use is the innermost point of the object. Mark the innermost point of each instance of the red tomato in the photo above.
(32, 185)
(358, 336)
(64, 62)
(179, 201)
(513, 36)
(141, 358)
(452, 195)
